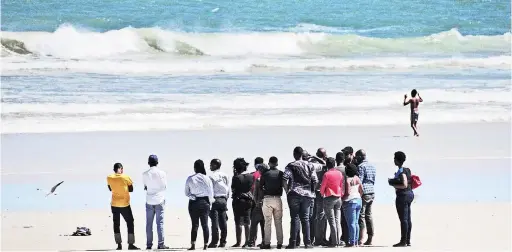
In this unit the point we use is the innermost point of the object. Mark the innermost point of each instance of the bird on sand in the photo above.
(54, 188)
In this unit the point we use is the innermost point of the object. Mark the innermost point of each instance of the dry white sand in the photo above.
(470, 227)
(464, 203)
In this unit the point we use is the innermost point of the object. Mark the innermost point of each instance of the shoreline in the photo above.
(257, 128)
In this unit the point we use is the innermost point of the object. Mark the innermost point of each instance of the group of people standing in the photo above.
(321, 191)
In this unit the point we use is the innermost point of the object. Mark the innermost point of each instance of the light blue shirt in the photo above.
(199, 185)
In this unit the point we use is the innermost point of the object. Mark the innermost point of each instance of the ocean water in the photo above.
(143, 65)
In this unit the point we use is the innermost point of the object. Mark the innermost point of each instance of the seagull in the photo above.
(215, 10)
(54, 188)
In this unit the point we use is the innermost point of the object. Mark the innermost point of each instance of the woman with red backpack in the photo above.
(403, 184)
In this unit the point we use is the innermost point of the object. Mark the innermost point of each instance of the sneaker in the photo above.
(119, 247)
(222, 245)
(279, 246)
(236, 245)
(132, 247)
(291, 246)
(163, 247)
(212, 245)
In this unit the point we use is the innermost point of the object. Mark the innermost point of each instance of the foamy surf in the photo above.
(68, 42)
(206, 111)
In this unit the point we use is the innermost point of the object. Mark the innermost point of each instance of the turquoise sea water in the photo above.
(390, 19)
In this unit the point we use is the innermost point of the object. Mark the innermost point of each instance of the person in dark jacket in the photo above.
(256, 212)
(243, 200)
(320, 220)
(404, 196)
(271, 184)
(340, 158)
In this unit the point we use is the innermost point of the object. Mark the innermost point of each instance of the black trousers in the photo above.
(319, 232)
(344, 228)
(219, 219)
(257, 218)
(403, 208)
(127, 214)
(199, 210)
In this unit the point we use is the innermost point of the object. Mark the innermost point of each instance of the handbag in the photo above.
(416, 181)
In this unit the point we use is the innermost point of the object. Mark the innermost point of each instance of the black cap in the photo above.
(240, 162)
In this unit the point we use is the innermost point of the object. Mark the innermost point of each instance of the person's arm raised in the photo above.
(406, 101)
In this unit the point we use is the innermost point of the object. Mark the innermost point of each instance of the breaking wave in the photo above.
(69, 42)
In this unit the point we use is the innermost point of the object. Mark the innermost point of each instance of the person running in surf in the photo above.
(415, 103)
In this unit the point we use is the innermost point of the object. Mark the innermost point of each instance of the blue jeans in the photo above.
(299, 213)
(352, 210)
(151, 211)
(403, 208)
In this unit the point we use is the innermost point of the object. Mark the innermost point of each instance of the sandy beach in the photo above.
(456, 227)
(87, 84)
(463, 205)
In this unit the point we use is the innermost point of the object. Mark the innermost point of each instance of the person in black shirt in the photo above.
(271, 184)
(243, 199)
(404, 197)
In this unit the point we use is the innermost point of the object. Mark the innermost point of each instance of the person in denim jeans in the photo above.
(155, 184)
(332, 191)
(221, 193)
(404, 196)
(352, 203)
(299, 183)
(367, 175)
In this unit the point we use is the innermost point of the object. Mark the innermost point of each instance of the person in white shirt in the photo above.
(155, 184)
(199, 190)
(218, 215)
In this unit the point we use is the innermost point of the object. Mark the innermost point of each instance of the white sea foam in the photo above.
(194, 111)
(157, 51)
(70, 42)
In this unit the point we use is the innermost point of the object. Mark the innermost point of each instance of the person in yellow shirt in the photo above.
(121, 185)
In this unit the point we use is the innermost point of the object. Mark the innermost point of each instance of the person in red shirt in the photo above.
(332, 192)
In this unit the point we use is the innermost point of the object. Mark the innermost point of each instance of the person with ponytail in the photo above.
(199, 190)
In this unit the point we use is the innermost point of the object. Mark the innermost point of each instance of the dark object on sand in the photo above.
(82, 231)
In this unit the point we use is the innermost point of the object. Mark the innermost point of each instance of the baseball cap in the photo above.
(240, 162)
